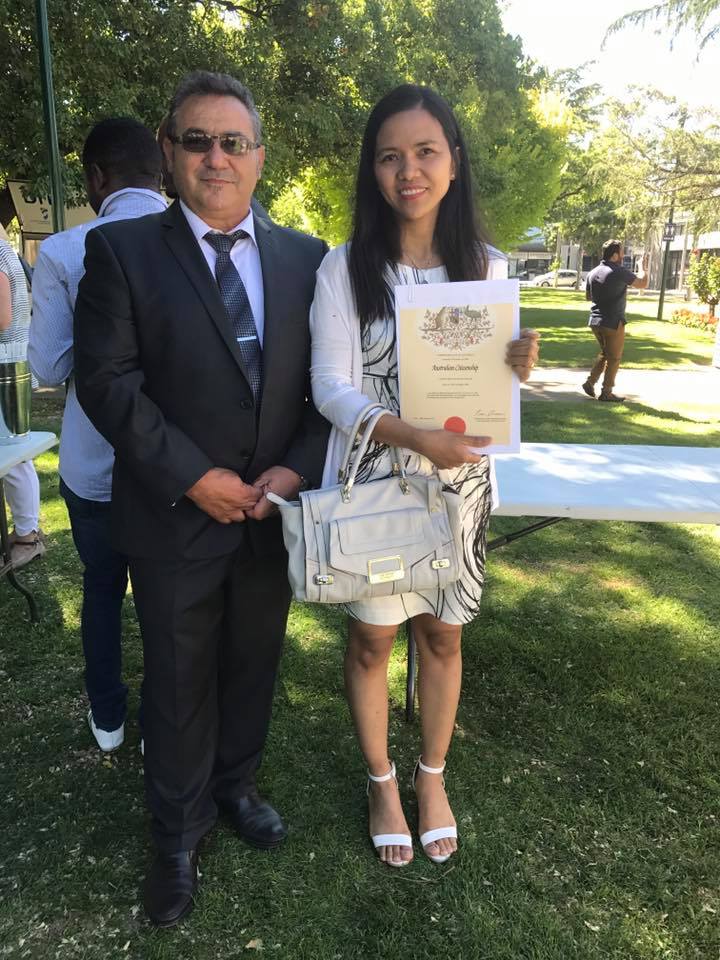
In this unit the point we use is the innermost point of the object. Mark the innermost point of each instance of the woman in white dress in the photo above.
(414, 223)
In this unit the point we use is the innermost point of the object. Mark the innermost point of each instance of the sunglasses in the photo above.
(197, 141)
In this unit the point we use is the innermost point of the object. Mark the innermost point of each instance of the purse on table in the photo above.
(350, 542)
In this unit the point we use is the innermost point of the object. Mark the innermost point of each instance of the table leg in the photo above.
(6, 568)
(531, 528)
(411, 678)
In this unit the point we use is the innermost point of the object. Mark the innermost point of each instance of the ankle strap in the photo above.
(426, 769)
(386, 776)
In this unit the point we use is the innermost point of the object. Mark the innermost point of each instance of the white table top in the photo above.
(608, 482)
(26, 448)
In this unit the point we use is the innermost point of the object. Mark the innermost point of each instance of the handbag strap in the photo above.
(352, 436)
(368, 417)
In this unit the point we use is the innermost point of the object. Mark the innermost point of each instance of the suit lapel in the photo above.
(275, 305)
(184, 246)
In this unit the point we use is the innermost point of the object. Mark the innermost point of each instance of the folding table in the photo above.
(567, 481)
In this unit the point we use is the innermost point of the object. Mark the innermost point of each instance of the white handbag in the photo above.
(350, 542)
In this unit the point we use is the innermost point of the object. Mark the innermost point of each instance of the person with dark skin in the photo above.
(121, 164)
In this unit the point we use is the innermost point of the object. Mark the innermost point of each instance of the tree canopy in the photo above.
(654, 153)
(315, 68)
(702, 16)
(582, 212)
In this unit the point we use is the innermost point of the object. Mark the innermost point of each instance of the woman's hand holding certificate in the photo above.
(522, 354)
(447, 449)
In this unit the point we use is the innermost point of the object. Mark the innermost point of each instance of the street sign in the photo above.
(669, 232)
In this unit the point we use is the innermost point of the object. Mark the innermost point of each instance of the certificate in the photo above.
(452, 339)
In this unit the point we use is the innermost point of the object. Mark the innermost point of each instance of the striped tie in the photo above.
(237, 304)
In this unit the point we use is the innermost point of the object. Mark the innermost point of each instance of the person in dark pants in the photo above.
(606, 287)
(192, 355)
(121, 162)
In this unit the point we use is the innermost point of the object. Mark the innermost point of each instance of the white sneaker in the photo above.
(107, 740)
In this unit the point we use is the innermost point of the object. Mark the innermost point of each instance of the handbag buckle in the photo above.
(323, 579)
(442, 564)
(385, 569)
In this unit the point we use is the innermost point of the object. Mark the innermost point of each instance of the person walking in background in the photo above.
(22, 487)
(606, 288)
(192, 355)
(414, 223)
(121, 164)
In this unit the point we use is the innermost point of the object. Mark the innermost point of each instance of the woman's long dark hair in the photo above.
(376, 234)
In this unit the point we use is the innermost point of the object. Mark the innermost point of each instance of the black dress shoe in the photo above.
(255, 821)
(170, 887)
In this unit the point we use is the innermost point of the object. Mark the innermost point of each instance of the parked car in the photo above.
(565, 278)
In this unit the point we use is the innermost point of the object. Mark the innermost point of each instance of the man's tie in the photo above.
(236, 301)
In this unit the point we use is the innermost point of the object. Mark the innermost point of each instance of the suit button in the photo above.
(246, 404)
(245, 454)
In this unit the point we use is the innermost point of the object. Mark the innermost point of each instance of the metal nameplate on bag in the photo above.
(323, 579)
(385, 569)
(440, 564)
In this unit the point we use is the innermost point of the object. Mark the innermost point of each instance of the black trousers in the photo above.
(212, 636)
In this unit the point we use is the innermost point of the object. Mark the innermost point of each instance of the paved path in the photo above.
(698, 386)
(655, 388)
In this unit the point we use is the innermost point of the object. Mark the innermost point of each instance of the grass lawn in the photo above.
(585, 772)
(562, 315)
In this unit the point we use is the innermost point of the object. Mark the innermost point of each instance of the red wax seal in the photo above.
(455, 424)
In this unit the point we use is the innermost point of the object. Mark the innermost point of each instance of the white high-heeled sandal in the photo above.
(439, 833)
(389, 839)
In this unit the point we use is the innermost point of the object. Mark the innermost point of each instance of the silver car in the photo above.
(565, 278)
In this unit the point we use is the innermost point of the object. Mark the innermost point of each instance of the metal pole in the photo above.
(663, 269)
(57, 196)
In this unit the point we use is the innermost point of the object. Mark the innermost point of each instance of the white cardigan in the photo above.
(336, 367)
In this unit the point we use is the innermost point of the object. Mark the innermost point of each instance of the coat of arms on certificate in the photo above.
(452, 339)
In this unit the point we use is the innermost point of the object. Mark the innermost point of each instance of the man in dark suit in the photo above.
(192, 358)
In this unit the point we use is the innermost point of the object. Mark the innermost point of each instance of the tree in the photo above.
(315, 68)
(581, 212)
(703, 16)
(654, 153)
(515, 142)
(704, 279)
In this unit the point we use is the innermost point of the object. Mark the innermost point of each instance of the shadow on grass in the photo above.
(567, 341)
(629, 423)
(584, 775)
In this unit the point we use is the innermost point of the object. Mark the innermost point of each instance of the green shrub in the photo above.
(700, 321)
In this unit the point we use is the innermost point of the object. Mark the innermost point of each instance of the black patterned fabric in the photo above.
(459, 603)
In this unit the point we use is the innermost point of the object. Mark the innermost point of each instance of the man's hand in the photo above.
(223, 496)
(522, 353)
(280, 480)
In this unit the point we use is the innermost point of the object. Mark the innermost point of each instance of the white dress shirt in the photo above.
(244, 255)
(86, 458)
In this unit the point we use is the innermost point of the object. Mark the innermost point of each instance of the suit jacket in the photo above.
(159, 373)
